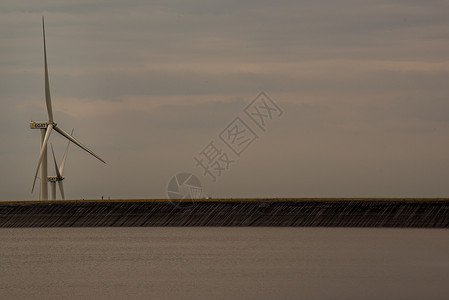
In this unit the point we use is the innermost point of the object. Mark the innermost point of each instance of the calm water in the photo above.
(224, 263)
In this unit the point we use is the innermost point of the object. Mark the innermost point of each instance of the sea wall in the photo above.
(260, 212)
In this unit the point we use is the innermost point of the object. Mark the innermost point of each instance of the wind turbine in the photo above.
(59, 171)
(46, 129)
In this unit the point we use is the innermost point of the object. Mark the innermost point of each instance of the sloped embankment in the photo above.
(261, 212)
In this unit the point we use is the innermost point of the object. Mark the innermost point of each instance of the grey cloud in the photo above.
(113, 86)
(363, 85)
(286, 29)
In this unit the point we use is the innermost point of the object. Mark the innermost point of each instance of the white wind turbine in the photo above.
(46, 129)
(58, 178)
(59, 171)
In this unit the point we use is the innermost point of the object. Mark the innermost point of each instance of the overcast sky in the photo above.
(147, 85)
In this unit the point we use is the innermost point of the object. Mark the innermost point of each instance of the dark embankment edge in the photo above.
(306, 212)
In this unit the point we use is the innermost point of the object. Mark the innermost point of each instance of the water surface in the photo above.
(224, 263)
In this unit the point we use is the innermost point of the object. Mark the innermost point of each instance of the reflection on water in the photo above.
(224, 263)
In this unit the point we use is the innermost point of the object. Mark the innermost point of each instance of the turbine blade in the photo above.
(61, 167)
(61, 189)
(76, 142)
(41, 155)
(58, 174)
(47, 83)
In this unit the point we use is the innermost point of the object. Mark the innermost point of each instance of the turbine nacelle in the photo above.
(41, 125)
(54, 178)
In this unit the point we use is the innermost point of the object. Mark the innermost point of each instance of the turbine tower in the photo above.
(46, 129)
